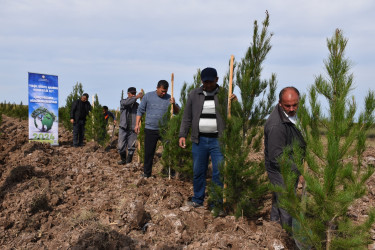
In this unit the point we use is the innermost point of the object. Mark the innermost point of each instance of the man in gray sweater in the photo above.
(155, 104)
(126, 134)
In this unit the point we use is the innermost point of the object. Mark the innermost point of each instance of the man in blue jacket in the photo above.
(127, 136)
(155, 104)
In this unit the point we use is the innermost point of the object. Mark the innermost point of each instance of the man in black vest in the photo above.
(281, 131)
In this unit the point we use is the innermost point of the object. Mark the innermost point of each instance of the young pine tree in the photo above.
(173, 157)
(96, 126)
(335, 174)
(64, 113)
(244, 177)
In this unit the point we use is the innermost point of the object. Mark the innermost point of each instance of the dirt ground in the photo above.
(63, 197)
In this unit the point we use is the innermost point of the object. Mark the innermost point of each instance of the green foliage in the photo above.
(64, 112)
(335, 173)
(96, 126)
(13, 110)
(244, 177)
(174, 157)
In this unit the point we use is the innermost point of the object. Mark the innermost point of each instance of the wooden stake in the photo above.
(172, 83)
(139, 144)
(230, 92)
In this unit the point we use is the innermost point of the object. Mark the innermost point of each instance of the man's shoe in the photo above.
(145, 175)
(123, 159)
(220, 213)
(193, 204)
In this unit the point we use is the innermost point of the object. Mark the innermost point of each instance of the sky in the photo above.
(111, 45)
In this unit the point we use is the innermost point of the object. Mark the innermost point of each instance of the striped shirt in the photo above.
(207, 121)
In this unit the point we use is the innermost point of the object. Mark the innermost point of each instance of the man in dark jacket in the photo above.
(127, 136)
(107, 114)
(202, 115)
(281, 131)
(80, 109)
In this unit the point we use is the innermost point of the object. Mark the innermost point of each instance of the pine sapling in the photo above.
(246, 183)
(334, 170)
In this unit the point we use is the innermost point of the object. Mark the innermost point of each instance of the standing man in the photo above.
(107, 114)
(155, 104)
(126, 135)
(281, 131)
(202, 115)
(80, 109)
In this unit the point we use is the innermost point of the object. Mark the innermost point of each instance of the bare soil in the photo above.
(63, 197)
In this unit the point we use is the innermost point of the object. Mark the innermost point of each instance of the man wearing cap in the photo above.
(155, 104)
(202, 116)
(127, 136)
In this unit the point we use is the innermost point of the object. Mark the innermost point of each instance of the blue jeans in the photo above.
(201, 151)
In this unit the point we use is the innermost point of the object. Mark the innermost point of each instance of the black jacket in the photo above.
(80, 110)
(279, 133)
(192, 114)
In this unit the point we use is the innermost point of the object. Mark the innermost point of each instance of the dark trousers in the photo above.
(78, 132)
(277, 213)
(151, 139)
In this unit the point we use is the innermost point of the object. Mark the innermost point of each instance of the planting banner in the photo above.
(43, 108)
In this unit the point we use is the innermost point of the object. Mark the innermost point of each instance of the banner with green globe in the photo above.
(43, 108)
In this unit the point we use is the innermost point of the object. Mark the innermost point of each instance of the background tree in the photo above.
(336, 175)
(244, 176)
(64, 112)
(13, 110)
(173, 157)
(96, 126)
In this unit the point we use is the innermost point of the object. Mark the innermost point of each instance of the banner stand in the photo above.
(43, 108)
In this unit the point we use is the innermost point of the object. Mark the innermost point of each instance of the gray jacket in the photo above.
(128, 106)
(279, 133)
(193, 111)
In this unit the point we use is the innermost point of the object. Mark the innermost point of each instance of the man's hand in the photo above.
(172, 101)
(182, 142)
(114, 122)
(233, 97)
(136, 129)
(72, 121)
(301, 180)
(140, 95)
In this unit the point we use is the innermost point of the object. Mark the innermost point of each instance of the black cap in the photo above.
(208, 74)
(132, 90)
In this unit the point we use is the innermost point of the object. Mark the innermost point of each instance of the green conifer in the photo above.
(244, 177)
(175, 158)
(64, 113)
(335, 174)
(96, 126)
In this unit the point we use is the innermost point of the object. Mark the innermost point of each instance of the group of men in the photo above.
(201, 116)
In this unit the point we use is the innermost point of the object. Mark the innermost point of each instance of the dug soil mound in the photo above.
(63, 197)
